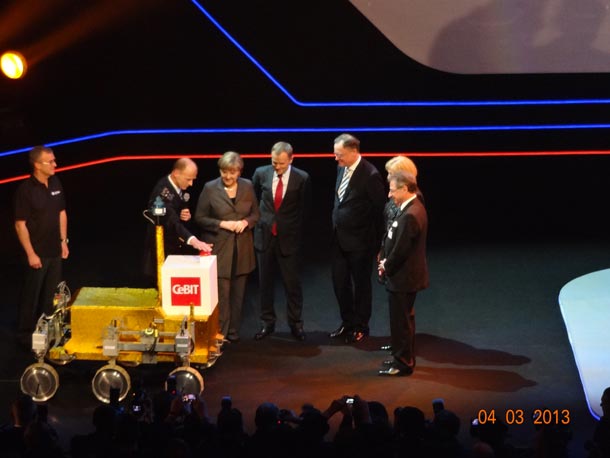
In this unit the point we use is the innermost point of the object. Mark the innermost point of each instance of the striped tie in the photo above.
(344, 182)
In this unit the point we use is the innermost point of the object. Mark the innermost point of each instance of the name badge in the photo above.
(391, 230)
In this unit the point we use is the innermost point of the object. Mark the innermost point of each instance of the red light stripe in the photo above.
(326, 155)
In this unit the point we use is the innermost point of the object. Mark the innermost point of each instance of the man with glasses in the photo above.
(404, 266)
(41, 224)
(357, 228)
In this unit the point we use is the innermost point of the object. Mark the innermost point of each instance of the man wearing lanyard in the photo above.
(403, 263)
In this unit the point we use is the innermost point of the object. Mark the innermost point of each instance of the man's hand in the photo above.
(65, 251)
(201, 246)
(34, 261)
(185, 214)
(338, 405)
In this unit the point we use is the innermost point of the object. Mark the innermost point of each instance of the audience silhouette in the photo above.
(168, 424)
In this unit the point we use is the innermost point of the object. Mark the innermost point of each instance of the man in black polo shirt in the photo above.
(42, 227)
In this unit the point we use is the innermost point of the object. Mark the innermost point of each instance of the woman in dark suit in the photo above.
(227, 212)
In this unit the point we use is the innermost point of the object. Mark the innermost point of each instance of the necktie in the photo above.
(277, 200)
(344, 183)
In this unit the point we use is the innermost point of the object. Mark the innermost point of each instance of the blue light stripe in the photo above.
(411, 103)
(305, 130)
(245, 53)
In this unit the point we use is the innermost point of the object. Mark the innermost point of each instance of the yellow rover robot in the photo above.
(124, 327)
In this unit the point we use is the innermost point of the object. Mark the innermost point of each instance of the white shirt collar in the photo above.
(404, 204)
(352, 167)
(176, 188)
(285, 175)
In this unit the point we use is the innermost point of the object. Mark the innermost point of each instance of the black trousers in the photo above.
(269, 262)
(351, 273)
(230, 302)
(38, 292)
(402, 328)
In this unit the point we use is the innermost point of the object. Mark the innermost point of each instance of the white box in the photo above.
(186, 281)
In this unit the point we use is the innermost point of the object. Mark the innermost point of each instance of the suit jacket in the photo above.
(390, 210)
(404, 249)
(291, 217)
(358, 218)
(214, 206)
(175, 231)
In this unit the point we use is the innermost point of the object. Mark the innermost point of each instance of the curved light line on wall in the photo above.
(495, 154)
(411, 103)
(304, 130)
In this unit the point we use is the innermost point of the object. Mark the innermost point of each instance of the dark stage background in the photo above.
(506, 233)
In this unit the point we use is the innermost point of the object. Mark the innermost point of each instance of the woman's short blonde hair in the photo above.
(231, 161)
(399, 163)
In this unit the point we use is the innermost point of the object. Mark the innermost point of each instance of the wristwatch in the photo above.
(66, 240)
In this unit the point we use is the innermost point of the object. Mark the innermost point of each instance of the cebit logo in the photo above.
(186, 291)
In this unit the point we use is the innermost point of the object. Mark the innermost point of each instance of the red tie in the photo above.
(277, 201)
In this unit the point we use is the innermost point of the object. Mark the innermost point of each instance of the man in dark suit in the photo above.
(177, 237)
(357, 229)
(403, 265)
(284, 194)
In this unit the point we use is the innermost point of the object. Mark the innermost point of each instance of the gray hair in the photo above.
(349, 141)
(280, 147)
(403, 178)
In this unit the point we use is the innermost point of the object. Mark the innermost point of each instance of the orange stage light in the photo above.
(13, 64)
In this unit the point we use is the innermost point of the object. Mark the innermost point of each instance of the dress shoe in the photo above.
(394, 371)
(388, 362)
(298, 333)
(264, 332)
(356, 336)
(386, 348)
(339, 332)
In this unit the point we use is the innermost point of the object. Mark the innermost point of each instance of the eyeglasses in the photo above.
(392, 191)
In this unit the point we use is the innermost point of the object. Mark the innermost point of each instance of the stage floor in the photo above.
(490, 336)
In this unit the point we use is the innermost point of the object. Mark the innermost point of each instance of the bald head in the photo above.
(183, 163)
(184, 172)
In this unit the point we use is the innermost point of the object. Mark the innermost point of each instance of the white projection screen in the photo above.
(497, 36)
